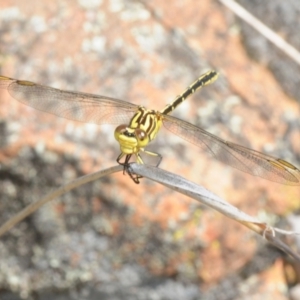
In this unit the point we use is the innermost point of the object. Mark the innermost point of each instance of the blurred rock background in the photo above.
(113, 239)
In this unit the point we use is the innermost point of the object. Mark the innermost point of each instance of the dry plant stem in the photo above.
(269, 34)
(174, 182)
(281, 245)
(204, 196)
(57, 193)
(269, 234)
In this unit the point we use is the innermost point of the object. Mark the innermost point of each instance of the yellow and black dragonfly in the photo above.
(138, 126)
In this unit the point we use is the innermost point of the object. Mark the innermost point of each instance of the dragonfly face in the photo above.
(142, 126)
(131, 140)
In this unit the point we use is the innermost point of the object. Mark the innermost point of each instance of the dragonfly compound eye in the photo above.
(141, 137)
(120, 130)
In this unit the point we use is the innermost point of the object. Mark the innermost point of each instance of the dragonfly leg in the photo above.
(154, 154)
(139, 160)
(119, 158)
(120, 163)
(133, 176)
(126, 163)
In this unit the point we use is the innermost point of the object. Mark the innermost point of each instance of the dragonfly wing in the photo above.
(239, 157)
(71, 105)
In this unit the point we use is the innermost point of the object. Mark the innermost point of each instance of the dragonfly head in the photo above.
(131, 140)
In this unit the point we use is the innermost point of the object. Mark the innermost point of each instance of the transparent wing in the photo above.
(71, 105)
(239, 157)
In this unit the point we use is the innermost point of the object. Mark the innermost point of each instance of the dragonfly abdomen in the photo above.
(203, 80)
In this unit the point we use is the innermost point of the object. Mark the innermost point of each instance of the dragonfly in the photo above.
(138, 126)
